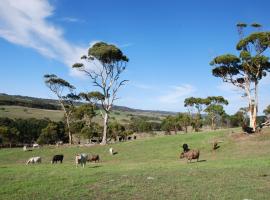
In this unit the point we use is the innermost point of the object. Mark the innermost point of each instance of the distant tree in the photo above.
(49, 135)
(91, 131)
(246, 70)
(85, 112)
(8, 135)
(266, 111)
(215, 108)
(58, 86)
(170, 123)
(116, 129)
(184, 120)
(110, 62)
(195, 107)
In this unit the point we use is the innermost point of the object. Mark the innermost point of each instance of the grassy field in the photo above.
(24, 113)
(57, 115)
(145, 169)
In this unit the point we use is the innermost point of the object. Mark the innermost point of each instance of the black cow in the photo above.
(247, 129)
(185, 148)
(57, 158)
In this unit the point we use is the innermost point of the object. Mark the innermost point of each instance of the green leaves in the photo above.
(52, 79)
(106, 53)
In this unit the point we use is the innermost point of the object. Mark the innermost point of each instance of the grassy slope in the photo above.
(57, 115)
(238, 170)
(24, 113)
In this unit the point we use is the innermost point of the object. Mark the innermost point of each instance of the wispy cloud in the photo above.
(26, 23)
(71, 19)
(177, 93)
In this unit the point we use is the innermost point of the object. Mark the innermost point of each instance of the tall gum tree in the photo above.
(60, 87)
(109, 62)
(246, 70)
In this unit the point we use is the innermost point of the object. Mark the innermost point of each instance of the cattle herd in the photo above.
(83, 158)
(80, 159)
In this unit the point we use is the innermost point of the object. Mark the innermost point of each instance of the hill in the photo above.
(16, 106)
(145, 169)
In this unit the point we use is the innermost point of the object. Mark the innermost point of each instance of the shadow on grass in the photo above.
(96, 166)
(202, 160)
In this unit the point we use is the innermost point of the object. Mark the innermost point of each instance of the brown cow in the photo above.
(191, 154)
(94, 158)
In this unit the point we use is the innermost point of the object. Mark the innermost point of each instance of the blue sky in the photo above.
(169, 43)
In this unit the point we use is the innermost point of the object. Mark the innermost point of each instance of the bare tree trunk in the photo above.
(186, 129)
(247, 88)
(105, 127)
(212, 123)
(255, 107)
(69, 132)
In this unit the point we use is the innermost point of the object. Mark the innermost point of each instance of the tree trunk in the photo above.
(255, 107)
(105, 127)
(69, 132)
(212, 123)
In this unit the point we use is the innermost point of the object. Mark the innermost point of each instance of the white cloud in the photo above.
(177, 94)
(71, 19)
(26, 23)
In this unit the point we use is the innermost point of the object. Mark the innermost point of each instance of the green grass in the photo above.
(239, 169)
(25, 113)
(57, 115)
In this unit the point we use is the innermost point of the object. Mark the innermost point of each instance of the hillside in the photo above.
(145, 169)
(16, 106)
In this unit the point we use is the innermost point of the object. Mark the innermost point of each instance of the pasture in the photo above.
(58, 115)
(145, 169)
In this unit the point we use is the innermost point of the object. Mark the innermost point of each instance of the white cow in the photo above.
(81, 159)
(24, 148)
(111, 151)
(35, 146)
(34, 160)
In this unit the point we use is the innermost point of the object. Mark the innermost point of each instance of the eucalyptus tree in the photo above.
(184, 120)
(246, 70)
(215, 108)
(195, 106)
(107, 65)
(64, 92)
(266, 111)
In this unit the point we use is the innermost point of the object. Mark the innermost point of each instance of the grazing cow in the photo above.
(94, 158)
(185, 148)
(191, 154)
(111, 151)
(81, 159)
(24, 148)
(34, 160)
(57, 158)
(247, 129)
(36, 146)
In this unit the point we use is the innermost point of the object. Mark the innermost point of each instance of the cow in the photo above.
(81, 159)
(94, 158)
(57, 158)
(191, 154)
(36, 146)
(111, 151)
(185, 148)
(247, 129)
(34, 160)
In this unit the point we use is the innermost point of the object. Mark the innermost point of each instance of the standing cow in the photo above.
(57, 158)
(34, 160)
(94, 158)
(81, 159)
